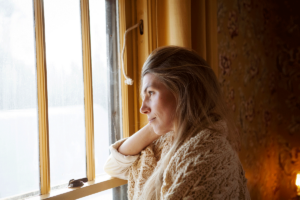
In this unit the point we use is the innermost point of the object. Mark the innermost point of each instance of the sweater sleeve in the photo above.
(117, 164)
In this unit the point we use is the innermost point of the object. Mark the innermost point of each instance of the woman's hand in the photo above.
(139, 141)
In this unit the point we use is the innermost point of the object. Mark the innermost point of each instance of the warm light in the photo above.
(298, 183)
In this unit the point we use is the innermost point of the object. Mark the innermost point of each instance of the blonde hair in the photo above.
(199, 102)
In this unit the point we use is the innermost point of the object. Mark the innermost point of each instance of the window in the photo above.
(59, 95)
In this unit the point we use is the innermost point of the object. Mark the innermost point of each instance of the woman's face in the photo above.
(159, 104)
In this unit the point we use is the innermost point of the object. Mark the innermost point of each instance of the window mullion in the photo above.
(42, 97)
(88, 89)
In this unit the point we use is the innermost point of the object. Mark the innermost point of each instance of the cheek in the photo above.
(167, 108)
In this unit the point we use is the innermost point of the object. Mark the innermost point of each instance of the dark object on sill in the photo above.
(77, 183)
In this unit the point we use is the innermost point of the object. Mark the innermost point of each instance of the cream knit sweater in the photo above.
(205, 167)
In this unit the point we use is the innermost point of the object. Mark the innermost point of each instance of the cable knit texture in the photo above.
(204, 167)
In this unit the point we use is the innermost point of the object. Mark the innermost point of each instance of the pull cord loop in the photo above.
(128, 81)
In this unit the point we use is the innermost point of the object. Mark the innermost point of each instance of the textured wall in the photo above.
(259, 54)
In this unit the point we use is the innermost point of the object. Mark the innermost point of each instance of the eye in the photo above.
(150, 93)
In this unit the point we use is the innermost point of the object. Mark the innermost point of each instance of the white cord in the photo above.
(128, 80)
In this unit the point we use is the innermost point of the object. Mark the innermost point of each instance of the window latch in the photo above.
(77, 183)
(141, 26)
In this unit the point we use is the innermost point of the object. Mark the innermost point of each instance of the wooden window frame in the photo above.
(94, 184)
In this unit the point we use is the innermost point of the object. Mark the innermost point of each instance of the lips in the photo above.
(150, 120)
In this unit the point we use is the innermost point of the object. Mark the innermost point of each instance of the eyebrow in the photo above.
(147, 88)
(153, 85)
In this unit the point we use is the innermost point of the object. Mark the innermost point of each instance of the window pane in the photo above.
(100, 92)
(19, 162)
(65, 90)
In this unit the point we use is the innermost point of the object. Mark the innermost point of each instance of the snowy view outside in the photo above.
(19, 162)
(65, 90)
(19, 156)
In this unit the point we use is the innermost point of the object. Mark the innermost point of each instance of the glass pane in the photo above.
(65, 90)
(105, 195)
(19, 161)
(100, 92)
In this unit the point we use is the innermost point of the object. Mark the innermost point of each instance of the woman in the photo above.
(188, 148)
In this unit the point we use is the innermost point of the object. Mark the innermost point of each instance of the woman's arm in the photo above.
(117, 165)
(137, 142)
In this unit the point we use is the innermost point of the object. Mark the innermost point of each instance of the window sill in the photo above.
(101, 183)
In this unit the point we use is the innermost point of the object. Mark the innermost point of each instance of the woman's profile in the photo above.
(188, 150)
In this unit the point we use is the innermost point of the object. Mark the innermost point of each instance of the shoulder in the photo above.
(202, 149)
(204, 165)
(205, 146)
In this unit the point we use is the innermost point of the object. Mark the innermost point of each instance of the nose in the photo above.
(145, 109)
